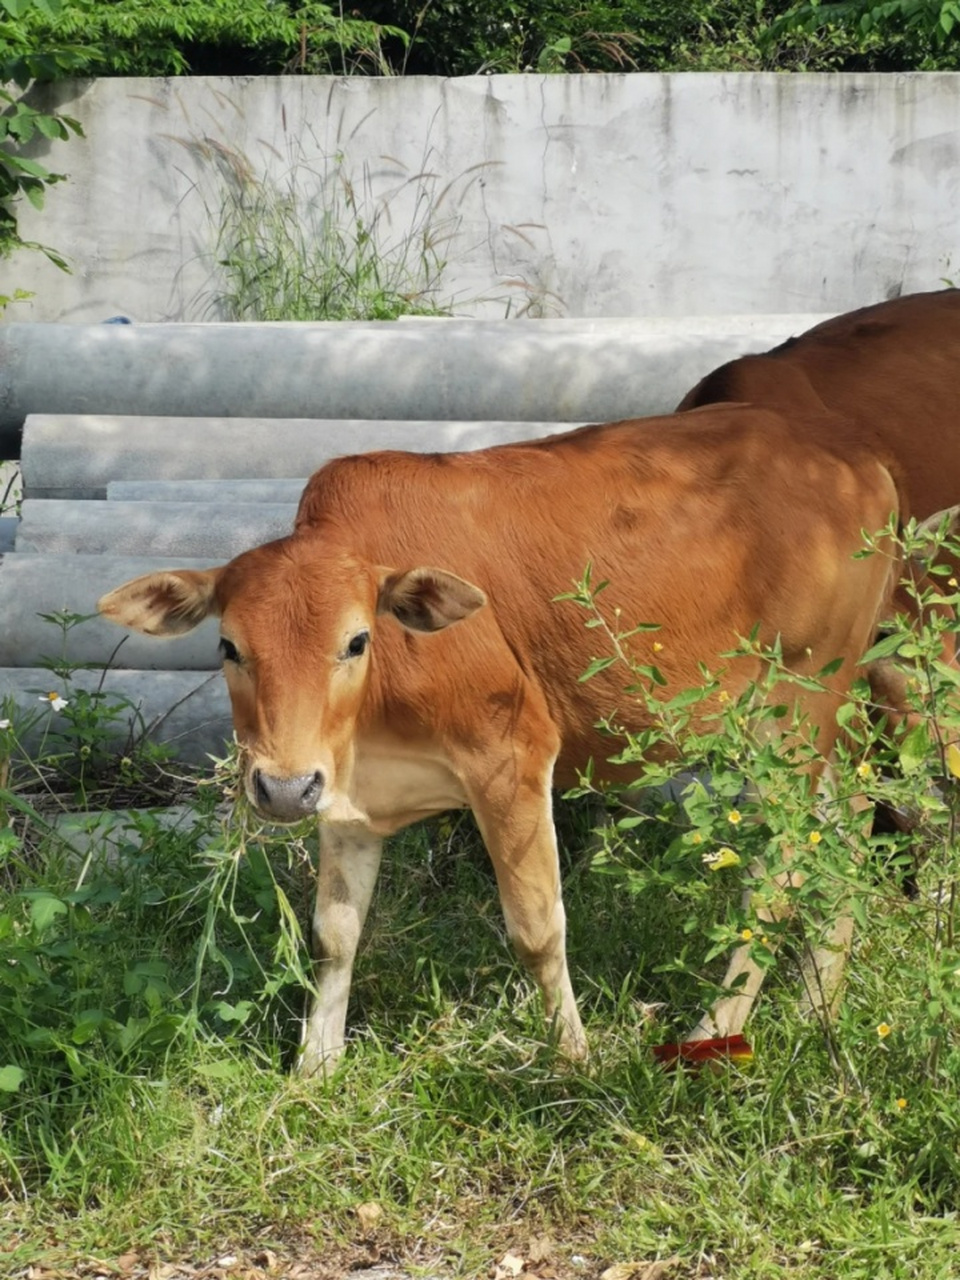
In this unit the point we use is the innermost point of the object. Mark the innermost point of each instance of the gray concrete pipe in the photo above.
(32, 585)
(188, 709)
(210, 491)
(150, 528)
(67, 456)
(566, 371)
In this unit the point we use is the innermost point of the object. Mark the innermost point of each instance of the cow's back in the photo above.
(892, 370)
(705, 525)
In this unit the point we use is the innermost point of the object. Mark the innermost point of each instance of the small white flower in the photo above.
(56, 702)
(4, 724)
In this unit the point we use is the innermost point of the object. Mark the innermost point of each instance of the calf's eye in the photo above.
(358, 644)
(228, 650)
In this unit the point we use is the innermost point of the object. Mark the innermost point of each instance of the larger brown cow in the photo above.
(891, 373)
(892, 370)
(402, 653)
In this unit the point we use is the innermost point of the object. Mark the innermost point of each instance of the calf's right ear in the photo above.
(168, 603)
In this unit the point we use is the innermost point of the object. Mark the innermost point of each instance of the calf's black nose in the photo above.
(287, 799)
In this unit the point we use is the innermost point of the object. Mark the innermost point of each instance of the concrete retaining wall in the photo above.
(596, 195)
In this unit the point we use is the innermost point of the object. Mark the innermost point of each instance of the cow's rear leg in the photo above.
(346, 876)
(517, 827)
(744, 976)
(824, 958)
(823, 966)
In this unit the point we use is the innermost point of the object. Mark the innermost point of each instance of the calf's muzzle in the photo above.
(286, 799)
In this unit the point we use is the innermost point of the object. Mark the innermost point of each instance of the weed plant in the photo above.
(322, 242)
(150, 997)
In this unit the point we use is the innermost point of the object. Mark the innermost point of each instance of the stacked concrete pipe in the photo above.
(150, 446)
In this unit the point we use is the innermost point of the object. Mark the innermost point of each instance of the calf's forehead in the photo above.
(284, 588)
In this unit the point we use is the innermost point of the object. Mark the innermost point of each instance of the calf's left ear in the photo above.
(428, 599)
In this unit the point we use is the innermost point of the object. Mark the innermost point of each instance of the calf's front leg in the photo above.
(517, 827)
(346, 876)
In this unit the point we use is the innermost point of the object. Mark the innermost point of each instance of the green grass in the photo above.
(147, 1122)
(323, 241)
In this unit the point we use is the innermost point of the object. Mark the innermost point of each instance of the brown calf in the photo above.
(401, 653)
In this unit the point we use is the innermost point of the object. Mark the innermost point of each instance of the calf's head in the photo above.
(298, 644)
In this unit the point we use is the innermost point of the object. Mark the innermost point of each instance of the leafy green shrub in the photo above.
(925, 31)
(738, 771)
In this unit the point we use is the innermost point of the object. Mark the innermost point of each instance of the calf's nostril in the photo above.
(311, 792)
(260, 789)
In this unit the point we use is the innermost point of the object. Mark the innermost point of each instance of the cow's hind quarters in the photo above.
(168, 603)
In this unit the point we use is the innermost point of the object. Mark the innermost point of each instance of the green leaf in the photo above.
(51, 8)
(219, 1070)
(235, 1012)
(20, 164)
(884, 648)
(596, 666)
(11, 1078)
(44, 909)
(50, 127)
(914, 749)
(628, 823)
(846, 713)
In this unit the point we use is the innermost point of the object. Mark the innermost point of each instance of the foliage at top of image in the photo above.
(446, 37)
(932, 20)
(504, 36)
(210, 37)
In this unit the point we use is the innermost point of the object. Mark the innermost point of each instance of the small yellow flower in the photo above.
(746, 935)
(717, 859)
(734, 816)
(864, 770)
(902, 1103)
(723, 696)
(764, 940)
(815, 837)
(657, 646)
(697, 837)
(883, 1030)
(952, 582)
